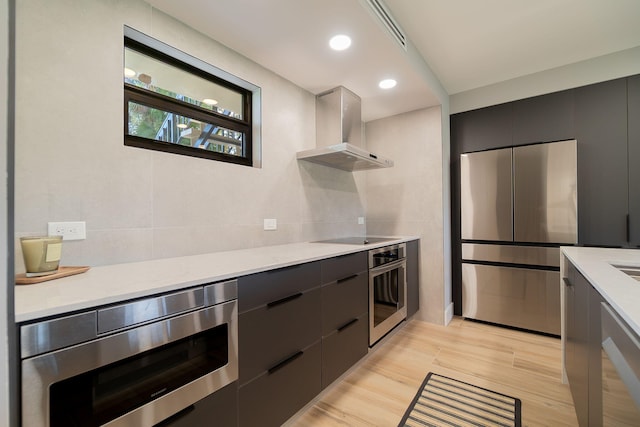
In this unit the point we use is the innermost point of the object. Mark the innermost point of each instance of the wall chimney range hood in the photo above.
(339, 134)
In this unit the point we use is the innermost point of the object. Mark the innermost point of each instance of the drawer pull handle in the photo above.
(285, 362)
(346, 325)
(567, 282)
(344, 279)
(284, 300)
(186, 411)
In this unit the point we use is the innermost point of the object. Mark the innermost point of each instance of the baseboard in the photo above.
(448, 314)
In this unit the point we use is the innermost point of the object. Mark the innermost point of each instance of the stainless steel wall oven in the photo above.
(387, 290)
(132, 364)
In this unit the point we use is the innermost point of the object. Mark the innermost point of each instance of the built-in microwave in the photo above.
(139, 363)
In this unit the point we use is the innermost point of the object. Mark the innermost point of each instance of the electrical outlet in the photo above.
(270, 224)
(70, 230)
(360, 220)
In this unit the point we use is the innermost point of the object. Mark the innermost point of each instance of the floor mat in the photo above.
(443, 401)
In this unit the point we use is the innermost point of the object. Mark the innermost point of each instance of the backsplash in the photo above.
(72, 165)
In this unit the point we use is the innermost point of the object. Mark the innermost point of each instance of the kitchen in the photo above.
(165, 214)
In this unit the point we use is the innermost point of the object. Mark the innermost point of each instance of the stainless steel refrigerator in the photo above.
(518, 205)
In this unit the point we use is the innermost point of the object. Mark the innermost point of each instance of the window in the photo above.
(179, 104)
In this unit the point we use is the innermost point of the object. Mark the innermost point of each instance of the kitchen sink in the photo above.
(632, 271)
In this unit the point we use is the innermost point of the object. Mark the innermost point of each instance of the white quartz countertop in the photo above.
(618, 289)
(120, 282)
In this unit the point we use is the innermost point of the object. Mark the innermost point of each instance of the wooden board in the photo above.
(22, 279)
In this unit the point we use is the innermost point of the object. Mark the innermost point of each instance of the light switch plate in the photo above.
(69, 230)
(270, 224)
(360, 220)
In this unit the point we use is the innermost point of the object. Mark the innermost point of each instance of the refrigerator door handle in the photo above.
(628, 234)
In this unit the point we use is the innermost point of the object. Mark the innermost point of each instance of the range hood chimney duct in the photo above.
(339, 142)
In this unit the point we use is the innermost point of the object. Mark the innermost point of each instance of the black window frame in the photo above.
(151, 99)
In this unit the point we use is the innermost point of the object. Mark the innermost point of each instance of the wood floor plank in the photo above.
(381, 387)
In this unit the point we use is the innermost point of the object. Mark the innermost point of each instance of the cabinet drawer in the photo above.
(262, 288)
(343, 266)
(520, 297)
(269, 334)
(343, 301)
(223, 404)
(343, 348)
(272, 398)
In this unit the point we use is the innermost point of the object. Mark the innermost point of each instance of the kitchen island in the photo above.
(620, 290)
(600, 330)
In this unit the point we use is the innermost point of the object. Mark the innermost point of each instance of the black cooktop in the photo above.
(357, 240)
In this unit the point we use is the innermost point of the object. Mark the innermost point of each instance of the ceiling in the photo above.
(466, 43)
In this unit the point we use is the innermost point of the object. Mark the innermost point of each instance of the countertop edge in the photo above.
(620, 291)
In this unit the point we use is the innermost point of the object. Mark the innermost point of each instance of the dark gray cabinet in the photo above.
(604, 118)
(299, 329)
(633, 120)
(595, 357)
(270, 334)
(274, 396)
(490, 127)
(601, 131)
(343, 348)
(545, 118)
(221, 406)
(279, 343)
(270, 286)
(577, 341)
(413, 277)
(345, 327)
(582, 347)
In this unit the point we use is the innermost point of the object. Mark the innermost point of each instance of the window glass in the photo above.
(152, 123)
(174, 106)
(154, 75)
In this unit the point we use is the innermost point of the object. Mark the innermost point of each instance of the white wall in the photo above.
(407, 199)
(72, 165)
(423, 69)
(603, 68)
(4, 324)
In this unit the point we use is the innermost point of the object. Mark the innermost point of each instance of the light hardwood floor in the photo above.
(378, 391)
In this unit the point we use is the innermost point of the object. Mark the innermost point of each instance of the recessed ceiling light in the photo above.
(128, 72)
(210, 101)
(387, 84)
(340, 42)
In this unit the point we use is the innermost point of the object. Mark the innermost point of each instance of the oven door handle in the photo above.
(388, 267)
